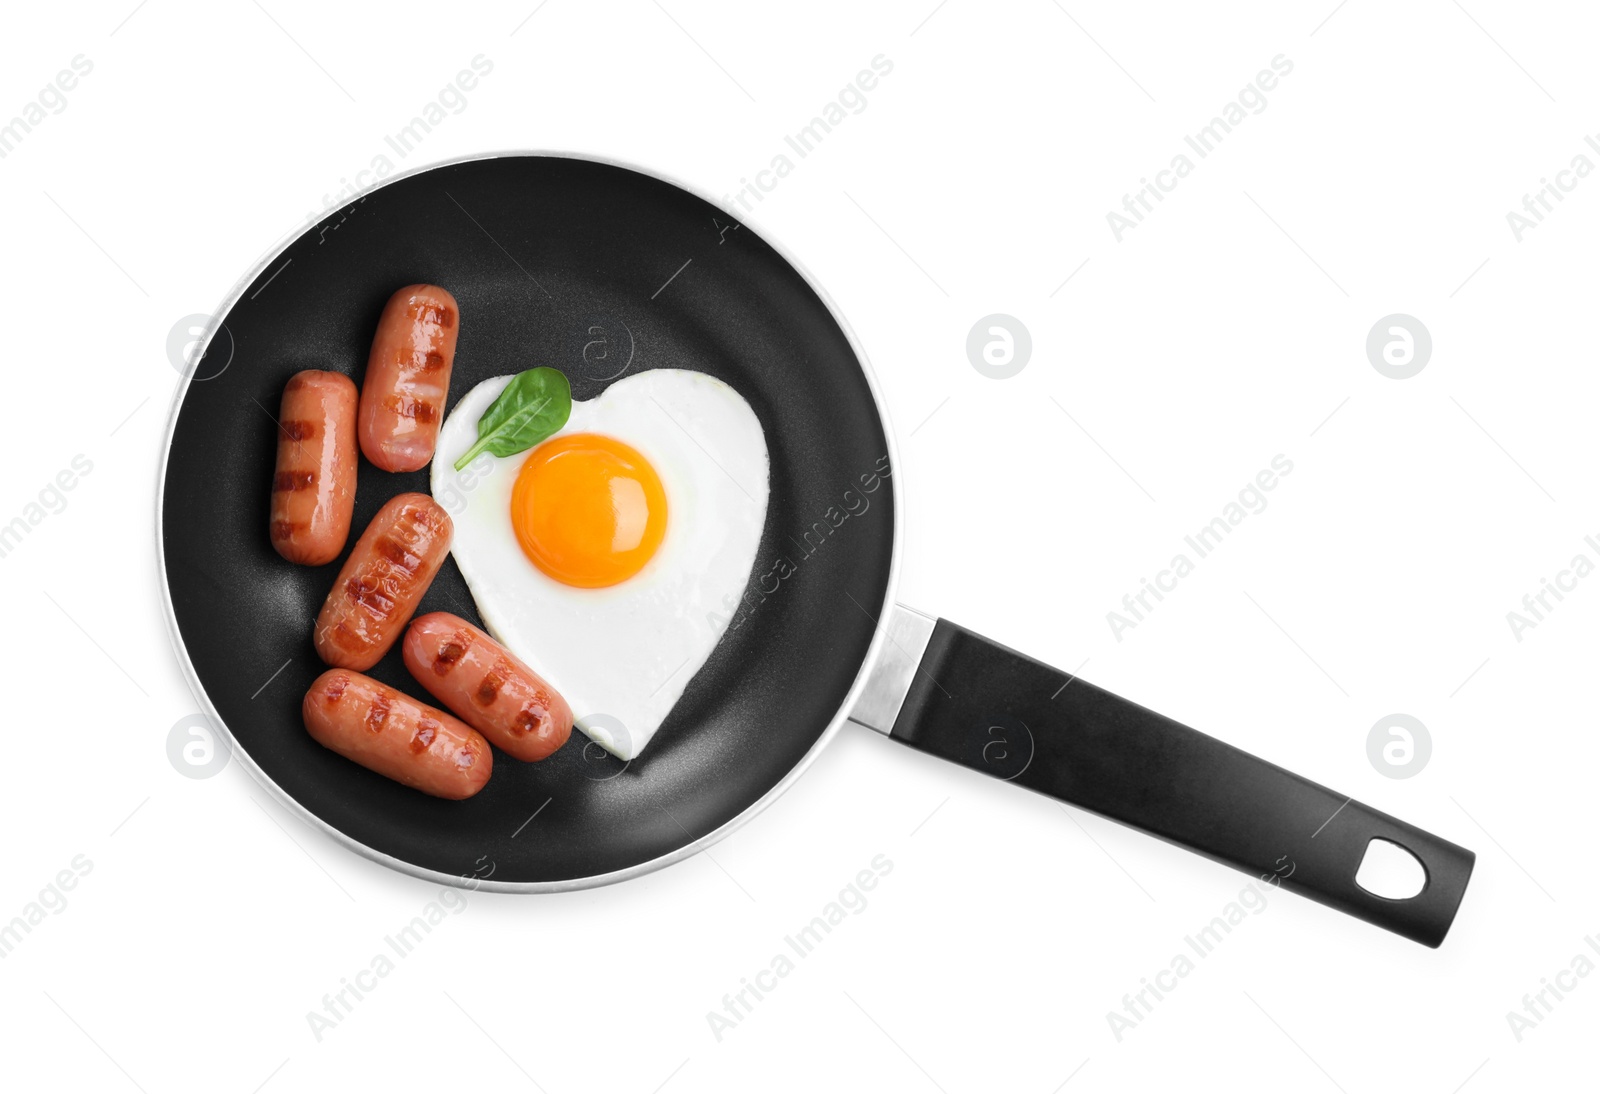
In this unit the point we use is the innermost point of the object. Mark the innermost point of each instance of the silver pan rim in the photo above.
(679, 854)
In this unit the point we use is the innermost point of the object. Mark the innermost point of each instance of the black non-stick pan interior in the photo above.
(558, 262)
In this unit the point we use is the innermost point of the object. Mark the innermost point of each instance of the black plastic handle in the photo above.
(979, 704)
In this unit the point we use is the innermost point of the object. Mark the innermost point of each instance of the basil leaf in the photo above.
(535, 404)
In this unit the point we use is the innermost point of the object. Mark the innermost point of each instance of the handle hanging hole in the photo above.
(1390, 871)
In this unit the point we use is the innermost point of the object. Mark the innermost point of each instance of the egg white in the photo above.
(620, 655)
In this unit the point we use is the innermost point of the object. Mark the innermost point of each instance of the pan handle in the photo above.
(957, 695)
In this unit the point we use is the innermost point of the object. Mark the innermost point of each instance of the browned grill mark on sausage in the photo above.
(285, 529)
(369, 594)
(427, 729)
(426, 520)
(433, 361)
(335, 689)
(378, 713)
(442, 314)
(530, 718)
(416, 409)
(398, 554)
(298, 429)
(451, 653)
(288, 482)
(427, 312)
(466, 756)
(345, 638)
(492, 681)
(429, 523)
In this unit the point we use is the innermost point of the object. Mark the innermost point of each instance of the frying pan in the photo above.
(603, 270)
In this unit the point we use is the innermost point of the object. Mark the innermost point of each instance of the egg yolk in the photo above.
(588, 510)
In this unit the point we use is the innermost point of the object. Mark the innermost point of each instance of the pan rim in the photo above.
(679, 854)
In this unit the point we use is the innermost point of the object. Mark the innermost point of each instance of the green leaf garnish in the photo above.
(534, 405)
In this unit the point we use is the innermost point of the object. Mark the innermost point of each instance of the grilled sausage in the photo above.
(391, 733)
(314, 485)
(408, 374)
(486, 686)
(378, 588)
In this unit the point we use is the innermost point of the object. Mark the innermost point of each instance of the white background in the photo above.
(1222, 331)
